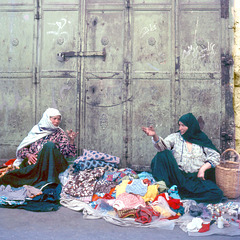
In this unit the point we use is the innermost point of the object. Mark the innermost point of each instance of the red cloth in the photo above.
(172, 202)
(9, 162)
(145, 214)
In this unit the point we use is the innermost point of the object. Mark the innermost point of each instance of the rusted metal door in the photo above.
(112, 66)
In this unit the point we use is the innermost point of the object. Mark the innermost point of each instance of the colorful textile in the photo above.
(83, 183)
(94, 155)
(118, 175)
(147, 175)
(137, 186)
(121, 188)
(173, 192)
(91, 164)
(152, 192)
(145, 214)
(103, 186)
(128, 201)
(126, 213)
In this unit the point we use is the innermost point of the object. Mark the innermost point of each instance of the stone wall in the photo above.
(236, 57)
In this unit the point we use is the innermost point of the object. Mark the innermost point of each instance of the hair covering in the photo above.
(194, 133)
(42, 129)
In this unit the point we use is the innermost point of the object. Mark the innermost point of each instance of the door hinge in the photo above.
(226, 62)
(37, 14)
(226, 59)
(224, 9)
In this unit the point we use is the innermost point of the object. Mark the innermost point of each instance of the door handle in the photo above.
(61, 57)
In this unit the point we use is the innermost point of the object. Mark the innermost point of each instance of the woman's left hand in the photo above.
(72, 135)
(201, 173)
(203, 168)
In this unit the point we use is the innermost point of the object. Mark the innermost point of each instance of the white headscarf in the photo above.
(42, 129)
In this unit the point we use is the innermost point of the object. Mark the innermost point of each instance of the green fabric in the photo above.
(50, 162)
(194, 133)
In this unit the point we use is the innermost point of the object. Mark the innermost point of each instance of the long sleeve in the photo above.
(212, 156)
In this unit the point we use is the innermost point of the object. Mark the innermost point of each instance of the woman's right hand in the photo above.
(32, 158)
(150, 131)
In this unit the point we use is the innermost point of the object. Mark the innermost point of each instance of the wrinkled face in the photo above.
(182, 128)
(56, 120)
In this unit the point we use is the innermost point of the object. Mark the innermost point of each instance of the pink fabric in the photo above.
(128, 201)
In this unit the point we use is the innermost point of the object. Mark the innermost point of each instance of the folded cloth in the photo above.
(95, 155)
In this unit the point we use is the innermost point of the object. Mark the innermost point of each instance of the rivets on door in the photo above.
(15, 42)
(60, 41)
(103, 121)
(151, 41)
(104, 41)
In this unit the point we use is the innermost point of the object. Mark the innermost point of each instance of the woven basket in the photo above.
(228, 174)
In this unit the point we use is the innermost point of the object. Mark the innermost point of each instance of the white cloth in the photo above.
(42, 129)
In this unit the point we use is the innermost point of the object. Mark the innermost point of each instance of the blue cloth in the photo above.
(137, 187)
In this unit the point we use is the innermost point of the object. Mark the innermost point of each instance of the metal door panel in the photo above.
(151, 84)
(103, 116)
(200, 64)
(17, 115)
(16, 41)
(201, 43)
(144, 2)
(59, 93)
(103, 79)
(203, 98)
(150, 106)
(59, 34)
(16, 2)
(200, 3)
(105, 29)
(151, 48)
(59, 2)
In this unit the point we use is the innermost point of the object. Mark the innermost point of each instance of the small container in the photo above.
(220, 222)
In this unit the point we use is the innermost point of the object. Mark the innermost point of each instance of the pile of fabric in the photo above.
(96, 186)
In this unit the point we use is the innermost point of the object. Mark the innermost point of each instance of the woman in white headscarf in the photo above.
(42, 154)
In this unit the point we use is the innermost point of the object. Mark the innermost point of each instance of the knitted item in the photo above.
(126, 213)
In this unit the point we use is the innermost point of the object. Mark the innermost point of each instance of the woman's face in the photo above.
(182, 128)
(56, 120)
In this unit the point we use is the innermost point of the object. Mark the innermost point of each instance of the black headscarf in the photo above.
(194, 133)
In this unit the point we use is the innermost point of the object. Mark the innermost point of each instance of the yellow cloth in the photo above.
(151, 193)
(121, 188)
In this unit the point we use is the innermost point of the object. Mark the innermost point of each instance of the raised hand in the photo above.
(72, 135)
